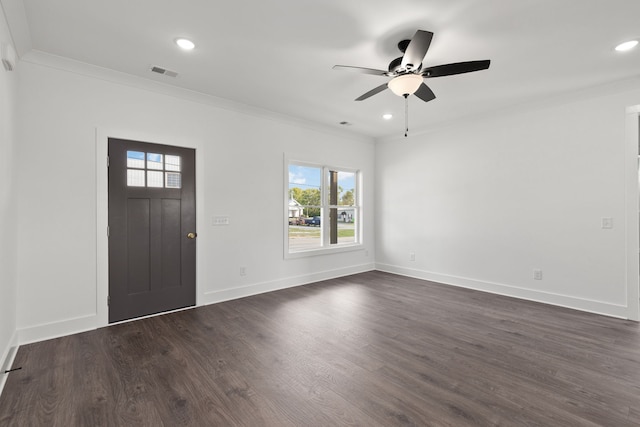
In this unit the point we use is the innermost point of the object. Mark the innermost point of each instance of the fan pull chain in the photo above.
(406, 115)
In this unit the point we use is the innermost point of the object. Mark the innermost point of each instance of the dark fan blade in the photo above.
(372, 92)
(457, 68)
(360, 70)
(425, 93)
(417, 49)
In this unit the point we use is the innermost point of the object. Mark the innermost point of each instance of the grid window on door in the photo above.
(153, 170)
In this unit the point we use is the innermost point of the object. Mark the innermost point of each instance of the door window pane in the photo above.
(172, 163)
(154, 161)
(135, 178)
(155, 179)
(173, 180)
(135, 159)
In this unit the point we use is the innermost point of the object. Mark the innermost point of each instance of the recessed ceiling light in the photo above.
(185, 44)
(622, 47)
(387, 116)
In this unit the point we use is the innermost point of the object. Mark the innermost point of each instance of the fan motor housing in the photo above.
(403, 44)
(396, 69)
(395, 64)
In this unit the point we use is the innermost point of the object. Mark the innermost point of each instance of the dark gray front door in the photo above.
(152, 220)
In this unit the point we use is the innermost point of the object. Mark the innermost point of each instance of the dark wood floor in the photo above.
(372, 349)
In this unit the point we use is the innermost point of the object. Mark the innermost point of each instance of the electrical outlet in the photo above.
(366, 253)
(537, 274)
(412, 256)
(607, 223)
(243, 271)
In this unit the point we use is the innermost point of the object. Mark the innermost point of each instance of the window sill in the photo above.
(325, 251)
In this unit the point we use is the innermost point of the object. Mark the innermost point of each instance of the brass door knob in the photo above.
(192, 235)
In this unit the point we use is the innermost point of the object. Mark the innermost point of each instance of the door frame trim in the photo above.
(632, 198)
(102, 136)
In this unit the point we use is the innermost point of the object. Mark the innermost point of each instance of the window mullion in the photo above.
(325, 212)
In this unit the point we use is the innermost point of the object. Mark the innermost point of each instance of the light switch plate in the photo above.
(220, 220)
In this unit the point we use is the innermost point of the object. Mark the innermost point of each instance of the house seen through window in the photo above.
(323, 210)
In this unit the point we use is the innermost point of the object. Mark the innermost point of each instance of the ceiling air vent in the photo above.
(163, 71)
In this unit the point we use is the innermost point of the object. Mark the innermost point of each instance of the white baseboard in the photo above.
(274, 285)
(48, 331)
(590, 306)
(8, 355)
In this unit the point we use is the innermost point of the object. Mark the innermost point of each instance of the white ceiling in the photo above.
(278, 55)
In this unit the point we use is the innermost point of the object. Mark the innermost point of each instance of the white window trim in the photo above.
(328, 249)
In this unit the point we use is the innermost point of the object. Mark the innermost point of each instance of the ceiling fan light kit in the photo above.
(407, 73)
(406, 84)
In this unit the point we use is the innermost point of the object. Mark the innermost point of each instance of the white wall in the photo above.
(481, 204)
(8, 242)
(240, 174)
(487, 200)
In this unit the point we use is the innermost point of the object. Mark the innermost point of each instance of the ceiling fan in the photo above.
(408, 73)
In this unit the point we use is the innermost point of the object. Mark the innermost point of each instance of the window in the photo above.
(322, 209)
(153, 170)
